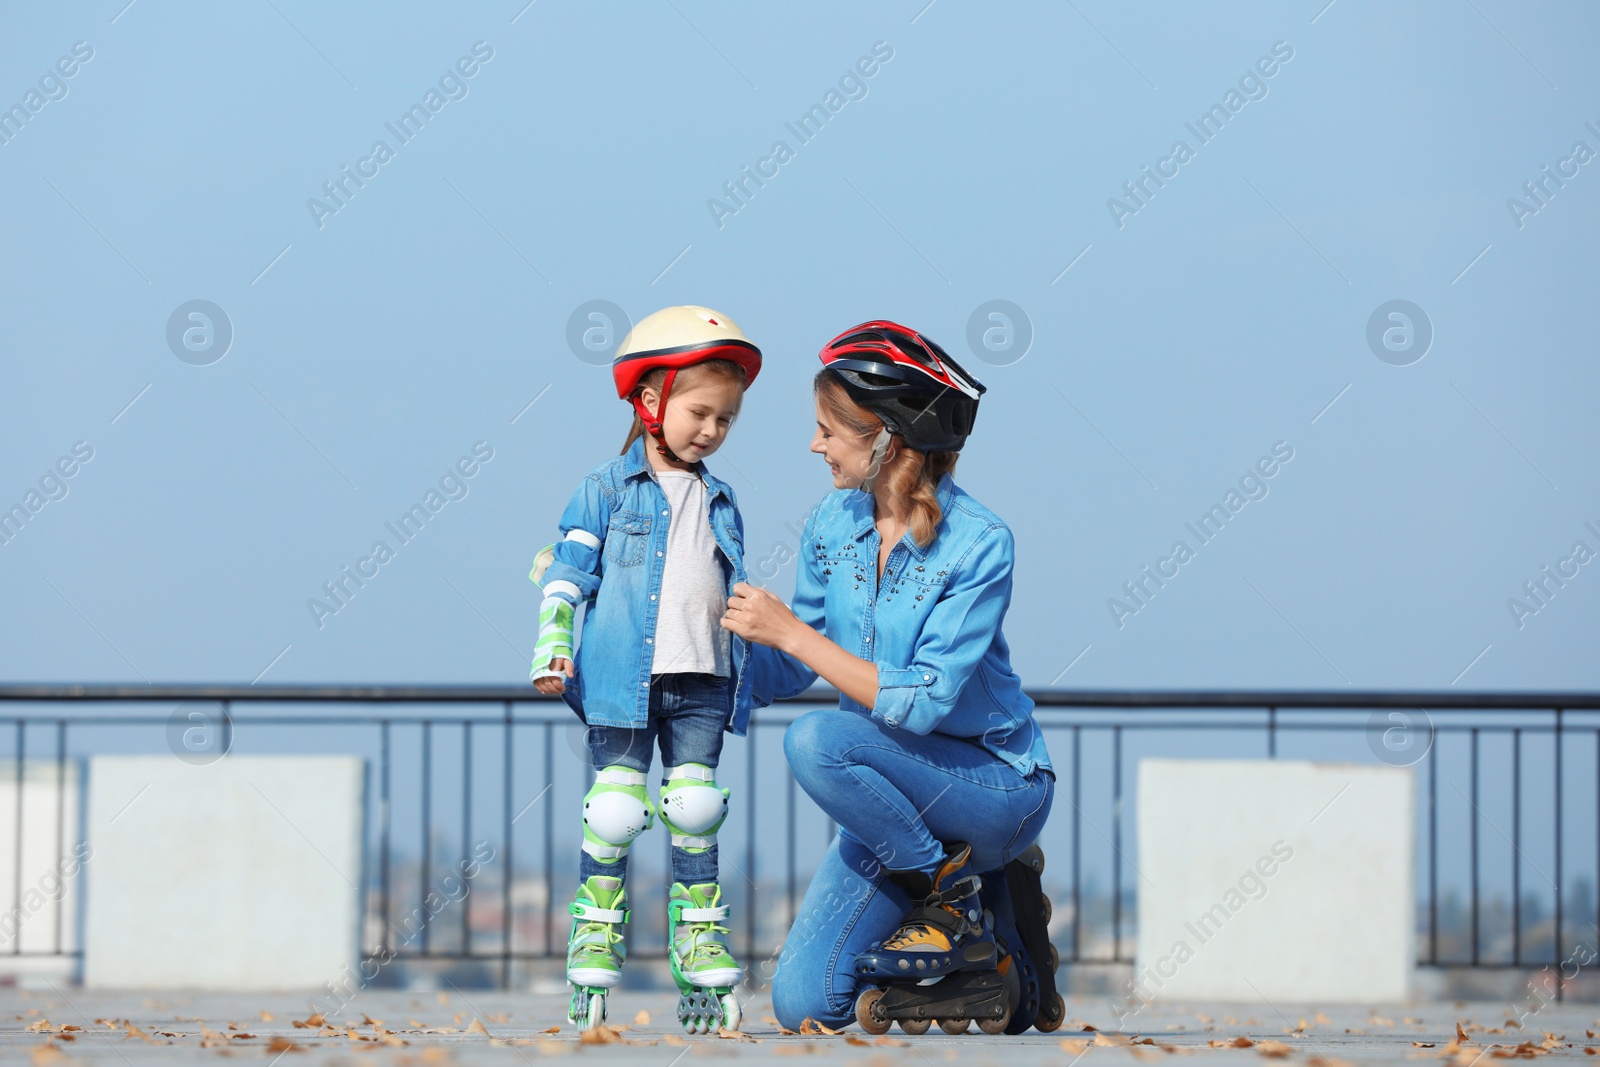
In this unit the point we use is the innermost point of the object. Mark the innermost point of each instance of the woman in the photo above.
(932, 765)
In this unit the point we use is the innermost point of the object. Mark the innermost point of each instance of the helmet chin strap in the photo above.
(654, 421)
(880, 446)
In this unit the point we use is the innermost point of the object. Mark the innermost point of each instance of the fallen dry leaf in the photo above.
(1327, 1061)
(1322, 1019)
(1272, 1049)
(885, 1041)
(600, 1035)
(1424, 1044)
(677, 1042)
(477, 1027)
(283, 1044)
(1240, 1042)
(642, 1019)
(1103, 1039)
(266, 1016)
(552, 1030)
(314, 1021)
(811, 1027)
(1079, 1024)
(48, 1055)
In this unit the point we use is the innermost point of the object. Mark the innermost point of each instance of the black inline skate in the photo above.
(942, 964)
(1021, 914)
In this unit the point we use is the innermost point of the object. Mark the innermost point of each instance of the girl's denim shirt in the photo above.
(611, 558)
(931, 624)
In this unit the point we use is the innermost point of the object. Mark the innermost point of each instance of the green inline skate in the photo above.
(702, 966)
(595, 949)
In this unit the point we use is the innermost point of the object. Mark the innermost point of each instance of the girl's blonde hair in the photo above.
(688, 377)
(910, 475)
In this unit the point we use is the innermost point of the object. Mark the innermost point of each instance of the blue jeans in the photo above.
(898, 798)
(688, 713)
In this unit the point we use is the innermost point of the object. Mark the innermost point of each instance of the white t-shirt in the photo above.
(689, 634)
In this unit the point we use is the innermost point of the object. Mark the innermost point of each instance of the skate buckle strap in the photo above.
(619, 776)
(699, 774)
(958, 890)
(590, 913)
(700, 915)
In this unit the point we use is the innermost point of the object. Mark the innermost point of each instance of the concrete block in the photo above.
(241, 874)
(1278, 879)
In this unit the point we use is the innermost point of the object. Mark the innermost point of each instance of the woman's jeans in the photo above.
(898, 798)
(688, 713)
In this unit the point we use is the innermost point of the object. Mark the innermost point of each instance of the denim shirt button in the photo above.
(927, 677)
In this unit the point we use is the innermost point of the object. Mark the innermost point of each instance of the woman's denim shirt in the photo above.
(611, 558)
(932, 624)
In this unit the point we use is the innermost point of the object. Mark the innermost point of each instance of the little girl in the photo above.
(653, 546)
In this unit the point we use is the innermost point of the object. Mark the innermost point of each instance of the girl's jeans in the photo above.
(898, 798)
(687, 715)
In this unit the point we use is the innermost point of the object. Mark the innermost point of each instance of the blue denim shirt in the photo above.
(611, 558)
(932, 624)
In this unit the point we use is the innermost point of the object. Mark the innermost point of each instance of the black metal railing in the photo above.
(441, 786)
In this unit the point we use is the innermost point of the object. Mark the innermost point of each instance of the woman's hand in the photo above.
(756, 615)
(555, 686)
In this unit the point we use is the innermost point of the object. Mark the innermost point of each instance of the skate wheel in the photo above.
(1055, 960)
(954, 1026)
(1049, 909)
(915, 1027)
(731, 1015)
(597, 1012)
(867, 1012)
(996, 1025)
(1051, 1016)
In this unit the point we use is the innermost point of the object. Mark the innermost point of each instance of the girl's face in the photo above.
(848, 454)
(698, 416)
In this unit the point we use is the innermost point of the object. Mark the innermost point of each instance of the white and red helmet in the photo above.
(678, 337)
(908, 381)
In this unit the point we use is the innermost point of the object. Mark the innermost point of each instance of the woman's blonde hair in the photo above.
(688, 377)
(910, 475)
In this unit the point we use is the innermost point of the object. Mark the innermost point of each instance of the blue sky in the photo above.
(1172, 346)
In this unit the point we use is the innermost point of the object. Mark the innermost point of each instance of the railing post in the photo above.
(1272, 732)
(426, 874)
(1474, 803)
(1557, 757)
(505, 825)
(1516, 847)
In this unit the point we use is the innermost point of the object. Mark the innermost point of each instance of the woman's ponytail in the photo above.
(915, 477)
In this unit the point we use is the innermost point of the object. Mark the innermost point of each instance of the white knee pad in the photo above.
(693, 806)
(615, 811)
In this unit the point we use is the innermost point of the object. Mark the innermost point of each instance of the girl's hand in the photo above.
(756, 615)
(555, 686)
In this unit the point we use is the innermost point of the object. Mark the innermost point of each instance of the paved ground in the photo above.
(65, 1024)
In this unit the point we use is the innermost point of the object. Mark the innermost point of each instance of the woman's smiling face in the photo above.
(847, 453)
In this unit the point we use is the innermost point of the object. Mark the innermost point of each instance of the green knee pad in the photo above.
(693, 806)
(616, 810)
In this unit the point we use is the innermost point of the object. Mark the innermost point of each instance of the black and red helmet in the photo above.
(908, 381)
